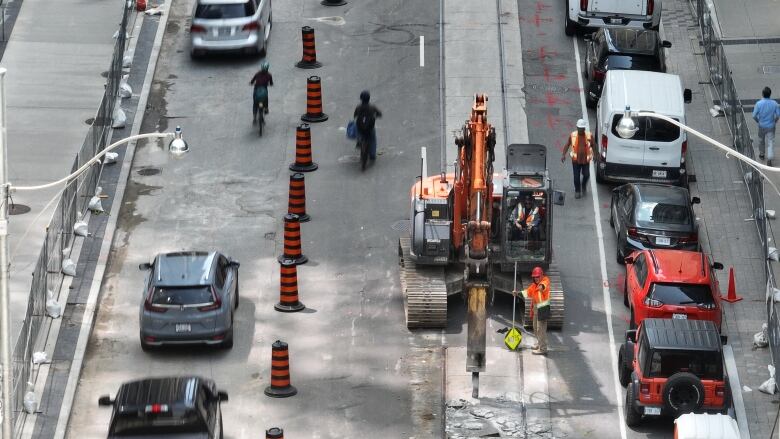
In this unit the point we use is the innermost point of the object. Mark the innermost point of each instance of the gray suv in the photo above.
(230, 25)
(189, 298)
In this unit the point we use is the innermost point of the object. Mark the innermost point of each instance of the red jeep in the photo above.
(672, 284)
(671, 367)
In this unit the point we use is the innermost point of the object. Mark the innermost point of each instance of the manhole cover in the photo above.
(401, 226)
(270, 236)
(18, 209)
(148, 171)
(90, 121)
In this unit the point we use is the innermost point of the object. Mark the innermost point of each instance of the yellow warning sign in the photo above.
(512, 339)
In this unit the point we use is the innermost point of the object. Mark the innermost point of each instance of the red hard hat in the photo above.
(537, 272)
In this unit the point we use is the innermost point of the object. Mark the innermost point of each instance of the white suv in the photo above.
(635, 14)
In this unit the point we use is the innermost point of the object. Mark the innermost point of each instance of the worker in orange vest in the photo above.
(539, 294)
(582, 148)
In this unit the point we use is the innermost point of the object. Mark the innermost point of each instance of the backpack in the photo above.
(365, 120)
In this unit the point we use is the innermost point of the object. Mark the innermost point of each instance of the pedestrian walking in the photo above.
(537, 296)
(766, 113)
(581, 144)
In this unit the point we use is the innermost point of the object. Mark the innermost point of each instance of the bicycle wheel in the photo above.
(363, 154)
(260, 120)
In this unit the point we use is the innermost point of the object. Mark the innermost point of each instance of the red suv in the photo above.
(672, 284)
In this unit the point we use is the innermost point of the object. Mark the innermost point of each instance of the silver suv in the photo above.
(230, 25)
(189, 298)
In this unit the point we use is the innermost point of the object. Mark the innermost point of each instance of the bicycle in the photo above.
(362, 144)
(260, 118)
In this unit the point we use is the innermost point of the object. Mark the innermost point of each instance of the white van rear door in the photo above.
(620, 150)
(663, 146)
(617, 7)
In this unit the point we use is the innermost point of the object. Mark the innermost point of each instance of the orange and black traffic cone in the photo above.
(303, 161)
(314, 101)
(309, 60)
(292, 240)
(297, 200)
(288, 288)
(274, 433)
(280, 372)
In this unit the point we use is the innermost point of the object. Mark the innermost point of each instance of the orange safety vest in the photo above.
(575, 148)
(539, 293)
(527, 217)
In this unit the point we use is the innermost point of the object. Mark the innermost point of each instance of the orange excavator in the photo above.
(463, 239)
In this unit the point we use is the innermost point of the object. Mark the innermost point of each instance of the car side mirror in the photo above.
(144, 266)
(687, 96)
(235, 264)
(666, 44)
(631, 335)
(587, 37)
(724, 339)
(717, 265)
(695, 200)
(222, 396)
(105, 400)
(628, 259)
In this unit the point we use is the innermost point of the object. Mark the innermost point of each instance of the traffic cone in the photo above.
(309, 60)
(732, 293)
(292, 240)
(314, 101)
(280, 372)
(303, 162)
(288, 288)
(274, 433)
(297, 199)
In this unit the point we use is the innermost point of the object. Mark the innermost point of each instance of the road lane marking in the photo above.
(422, 50)
(602, 259)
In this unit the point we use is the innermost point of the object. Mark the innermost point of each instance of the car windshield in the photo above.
(706, 365)
(681, 294)
(632, 62)
(649, 129)
(182, 295)
(662, 213)
(140, 425)
(224, 11)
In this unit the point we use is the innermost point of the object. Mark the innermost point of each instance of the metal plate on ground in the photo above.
(18, 209)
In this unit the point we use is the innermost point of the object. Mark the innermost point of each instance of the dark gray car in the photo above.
(189, 298)
(187, 407)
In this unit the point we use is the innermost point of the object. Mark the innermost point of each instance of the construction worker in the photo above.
(582, 149)
(539, 294)
(526, 219)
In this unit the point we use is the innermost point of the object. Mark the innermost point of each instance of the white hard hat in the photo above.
(581, 124)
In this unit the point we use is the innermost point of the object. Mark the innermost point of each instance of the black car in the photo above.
(649, 215)
(620, 49)
(188, 407)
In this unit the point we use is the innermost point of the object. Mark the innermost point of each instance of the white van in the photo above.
(704, 426)
(656, 153)
(634, 14)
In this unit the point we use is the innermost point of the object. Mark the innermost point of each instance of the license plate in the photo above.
(653, 411)
(680, 316)
(616, 20)
(659, 174)
(183, 327)
(662, 240)
(224, 31)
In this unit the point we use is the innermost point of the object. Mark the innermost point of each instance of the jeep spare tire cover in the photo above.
(683, 393)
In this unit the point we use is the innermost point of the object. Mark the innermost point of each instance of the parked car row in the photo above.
(671, 362)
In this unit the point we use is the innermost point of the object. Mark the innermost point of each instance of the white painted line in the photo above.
(736, 392)
(422, 51)
(604, 278)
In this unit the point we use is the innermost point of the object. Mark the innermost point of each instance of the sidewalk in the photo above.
(54, 56)
(727, 233)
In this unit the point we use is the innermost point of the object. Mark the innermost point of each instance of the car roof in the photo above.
(634, 41)
(698, 335)
(679, 266)
(645, 91)
(178, 392)
(184, 268)
(654, 193)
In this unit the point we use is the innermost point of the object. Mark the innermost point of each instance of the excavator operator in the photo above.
(526, 219)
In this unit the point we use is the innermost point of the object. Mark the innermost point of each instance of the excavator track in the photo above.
(424, 289)
(556, 301)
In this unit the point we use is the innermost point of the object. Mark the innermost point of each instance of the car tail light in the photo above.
(214, 305)
(693, 237)
(683, 151)
(632, 232)
(583, 5)
(599, 75)
(650, 7)
(251, 26)
(150, 339)
(604, 142)
(149, 306)
(720, 390)
(707, 306)
(644, 388)
(218, 337)
(653, 303)
(197, 29)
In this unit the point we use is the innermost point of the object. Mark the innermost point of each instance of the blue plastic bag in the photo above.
(351, 130)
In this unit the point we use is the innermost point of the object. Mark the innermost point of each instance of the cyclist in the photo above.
(261, 81)
(365, 117)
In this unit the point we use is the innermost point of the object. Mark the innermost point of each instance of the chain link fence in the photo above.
(47, 275)
(720, 75)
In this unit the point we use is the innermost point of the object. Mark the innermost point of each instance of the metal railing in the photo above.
(720, 76)
(47, 275)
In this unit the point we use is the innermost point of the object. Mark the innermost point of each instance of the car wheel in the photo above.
(624, 366)
(611, 214)
(196, 54)
(237, 291)
(633, 418)
(221, 426)
(228, 343)
(625, 292)
(600, 177)
(683, 393)
(632, 320)
(569, 27)
(146, 347)
(619, 257)
(589, 101)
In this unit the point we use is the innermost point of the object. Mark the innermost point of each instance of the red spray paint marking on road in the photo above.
(621, 280)
(540, 7)
(536, 20)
